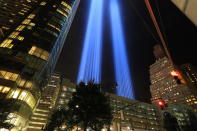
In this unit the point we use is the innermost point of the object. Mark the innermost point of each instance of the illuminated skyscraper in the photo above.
(32, 34)
(168, 83)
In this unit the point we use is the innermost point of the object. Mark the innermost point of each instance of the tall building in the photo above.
(12, 13)
(46, 104)
(65, 93)
(56, 95)
(188, 7)
(32, 33)
(169, 84)
(190, 72)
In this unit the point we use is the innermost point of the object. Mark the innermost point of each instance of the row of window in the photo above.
(15, 35)
(8, 75)
(66, 5)
(23, 95)
(61, 12)
(16, 120)
(4, 89)
(15, 77)
(53, 26)
(7, 44)
(38, 52)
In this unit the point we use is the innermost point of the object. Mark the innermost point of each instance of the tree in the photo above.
(88, 108)
(170, 122)
(56, 120)
(4, 112)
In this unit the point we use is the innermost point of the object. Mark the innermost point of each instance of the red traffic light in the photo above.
(161, 103)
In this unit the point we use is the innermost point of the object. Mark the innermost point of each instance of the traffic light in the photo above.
(177, 76)
(161, 103)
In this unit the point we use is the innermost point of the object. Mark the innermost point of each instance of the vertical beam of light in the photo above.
(122, 72)
(90, 66)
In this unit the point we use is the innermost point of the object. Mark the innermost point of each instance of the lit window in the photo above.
(21, 13)
(16, 120)
(43, 3)
(28, 84)
(2, 73)
(11, 21)
(26, 21)
(32, 24)
(14, 35)
(21, 83)
(31, 16)
(61, 12)
(4, 89)
(20, 27)
(38, 52)
(16, 93)
(66, 5)
(24, 83)
(8, 75)
(21, 38)
(22, 95)
(14, 77)
(7, 43)
(5, 28)
(53, 26)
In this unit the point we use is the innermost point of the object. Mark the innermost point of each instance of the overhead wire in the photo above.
(163, 42)
(161, 21)
(132, 4)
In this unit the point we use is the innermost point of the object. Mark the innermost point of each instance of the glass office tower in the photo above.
(32, 34)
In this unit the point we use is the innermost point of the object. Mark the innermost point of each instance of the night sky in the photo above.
(181, 36)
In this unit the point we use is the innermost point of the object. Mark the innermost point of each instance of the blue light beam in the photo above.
(122, 72)
(90, 66)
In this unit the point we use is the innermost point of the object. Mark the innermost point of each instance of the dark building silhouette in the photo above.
(190, 73)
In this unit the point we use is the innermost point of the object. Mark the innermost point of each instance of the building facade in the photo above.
(32, 34)
(55, 96)
(130, 115)
(169, 84)
(65, 93)
(188, 7)
(46, 104)
(191, 73)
